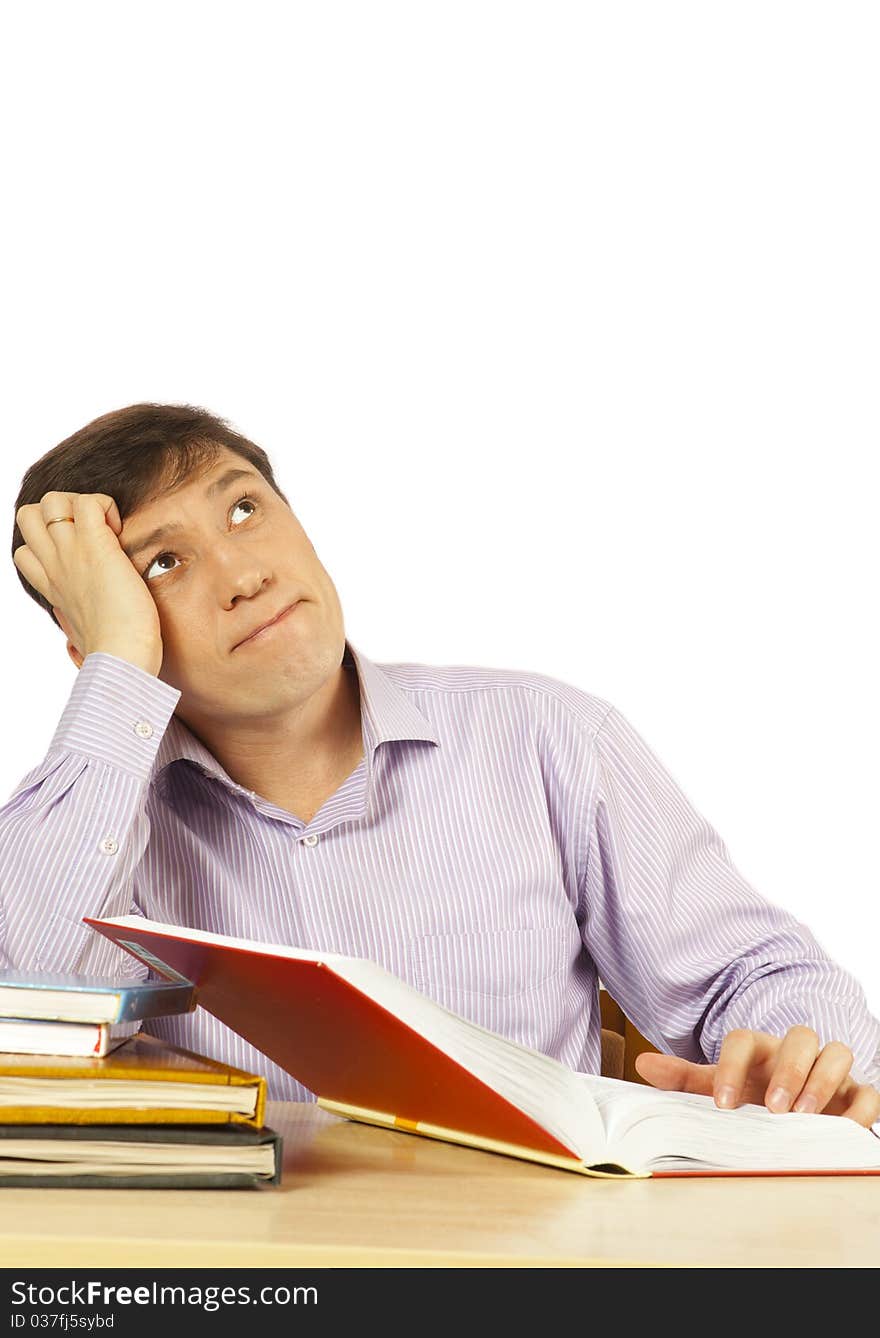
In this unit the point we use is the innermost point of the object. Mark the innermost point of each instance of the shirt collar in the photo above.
(387, 715)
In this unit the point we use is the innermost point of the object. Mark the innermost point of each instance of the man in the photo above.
(500, 840)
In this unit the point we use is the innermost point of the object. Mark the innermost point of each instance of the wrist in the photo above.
(148, 658)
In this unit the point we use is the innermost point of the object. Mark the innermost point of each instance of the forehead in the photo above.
(168, 487)
(166, 514)
(197, 482)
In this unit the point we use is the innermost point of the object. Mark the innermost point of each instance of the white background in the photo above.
(559, 323)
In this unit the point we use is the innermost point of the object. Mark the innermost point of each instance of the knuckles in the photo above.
(57, 498)
(739, 1035)
(805, 1034)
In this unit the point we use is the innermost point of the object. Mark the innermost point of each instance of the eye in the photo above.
(146, 571)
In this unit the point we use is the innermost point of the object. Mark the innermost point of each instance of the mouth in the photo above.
(267, 631)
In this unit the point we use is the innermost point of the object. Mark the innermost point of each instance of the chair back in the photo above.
(621, 1042)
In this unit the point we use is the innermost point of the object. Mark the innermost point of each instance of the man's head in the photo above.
(238, 558)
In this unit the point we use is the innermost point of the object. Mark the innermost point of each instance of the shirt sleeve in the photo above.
(682, 941)
(74, 830)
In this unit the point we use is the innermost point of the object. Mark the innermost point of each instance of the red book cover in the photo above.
(331, 1037)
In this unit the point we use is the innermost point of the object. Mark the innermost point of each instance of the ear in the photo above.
(72, 649)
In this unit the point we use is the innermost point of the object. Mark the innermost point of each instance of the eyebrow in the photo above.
(163, 532)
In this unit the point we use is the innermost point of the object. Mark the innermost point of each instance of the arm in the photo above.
(686, 946)
(75, 829)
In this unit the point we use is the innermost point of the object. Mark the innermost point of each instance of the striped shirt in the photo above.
(506, 841)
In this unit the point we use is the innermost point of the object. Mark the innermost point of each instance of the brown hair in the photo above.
(134, 455)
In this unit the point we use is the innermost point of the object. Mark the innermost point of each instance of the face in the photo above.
(240, 558)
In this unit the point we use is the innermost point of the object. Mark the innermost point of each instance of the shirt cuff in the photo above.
(117, 713)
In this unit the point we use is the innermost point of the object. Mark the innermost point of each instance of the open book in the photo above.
(372, 1048)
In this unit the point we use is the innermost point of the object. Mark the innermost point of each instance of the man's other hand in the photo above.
(792, 1072)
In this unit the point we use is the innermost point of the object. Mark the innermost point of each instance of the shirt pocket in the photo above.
(516, 982)
(490, 964)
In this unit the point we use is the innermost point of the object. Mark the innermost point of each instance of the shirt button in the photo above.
(109, 845)
(310, 840)
(144, 728)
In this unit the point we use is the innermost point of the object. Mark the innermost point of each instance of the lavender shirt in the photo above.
(506, 841)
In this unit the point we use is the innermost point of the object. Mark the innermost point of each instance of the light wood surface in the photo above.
(358, 1196)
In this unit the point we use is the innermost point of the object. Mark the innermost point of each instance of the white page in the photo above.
(645, 1124)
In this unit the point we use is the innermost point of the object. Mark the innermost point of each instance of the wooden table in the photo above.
(358, 1196)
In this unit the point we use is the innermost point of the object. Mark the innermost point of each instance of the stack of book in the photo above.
(88, 1099)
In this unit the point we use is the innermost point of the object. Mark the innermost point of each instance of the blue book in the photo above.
(69, 997)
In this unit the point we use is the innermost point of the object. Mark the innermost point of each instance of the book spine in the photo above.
(110, 1115)
(139, 1004)
(185, 1180)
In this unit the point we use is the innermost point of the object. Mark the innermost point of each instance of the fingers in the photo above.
(43, 542)
(93, 508)
(85, 509)
(825, 1086)
(828, 1073)
(864, 1106)
(46, 543)
(793, 1062)
(32, 570)
(36, 558)
(803, 1075)
(674, 1074)
(735, 1060)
